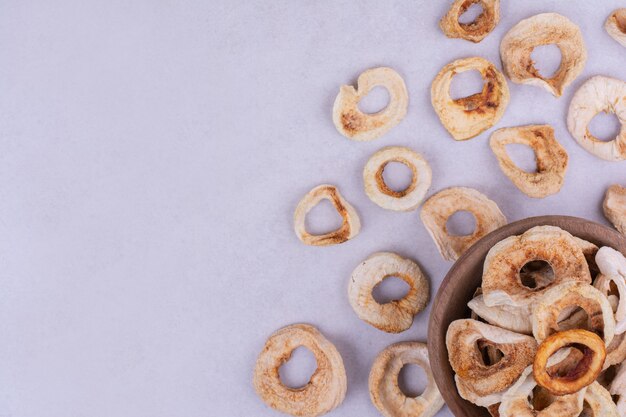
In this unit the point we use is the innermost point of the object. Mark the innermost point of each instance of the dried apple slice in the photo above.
(616, 26)
(467, 117)
(356, 125)
(474, 31)
(614, 206)
(395, 316)
(383, 382)
(599, 94)
(543, 29)
(407, 199)
(327, 386)
(349, 228)
(550, 156)
(465, 358)
(569, 296)
(502, 284)
(438, 208)
(583, 374)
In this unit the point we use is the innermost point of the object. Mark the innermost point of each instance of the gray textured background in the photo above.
(152, 154)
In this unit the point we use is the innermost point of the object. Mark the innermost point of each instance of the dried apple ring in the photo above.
(543, 29)
(615, 207)
(585, 373)
(515, 401)
(407, 199)
(491, 356)
(395, 316)
(598, 402)
(599, 94)
(466, 391)
(504, 261)
(616, 25)
(465, 357)
(350, 226)
(550, 156)
(385, 393)
(475, 31)
(438, 208)
(467, 117)
(325, 390)
(356, 125)
(568, 296)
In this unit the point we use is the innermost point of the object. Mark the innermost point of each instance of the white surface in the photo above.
(152, 154)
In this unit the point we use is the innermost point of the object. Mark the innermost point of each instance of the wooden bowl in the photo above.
(465, 276)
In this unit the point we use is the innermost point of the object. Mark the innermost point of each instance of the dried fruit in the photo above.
(407, 199)
(616, 25)
(583, 374)
(467, 117)
(349, 227)
(327, 386)
(515, 401)
(567, 297)
(603, 283)
(618, 387)
(476, 30)
(383, 382)
(395, 316)
(598, 402)
(550, 156)
(466, 360)
(616, 350)
(615, 207)
(543, 29)
(612, 266)
(502, 284)
(611, 262)
(438, 208)
(356, 125)
(467, 393)
(599, 94)
(514, 318)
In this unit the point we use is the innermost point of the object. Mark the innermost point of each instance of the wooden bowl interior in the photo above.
(465, 276)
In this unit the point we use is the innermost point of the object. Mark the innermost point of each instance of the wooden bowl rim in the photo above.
(437, 350)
